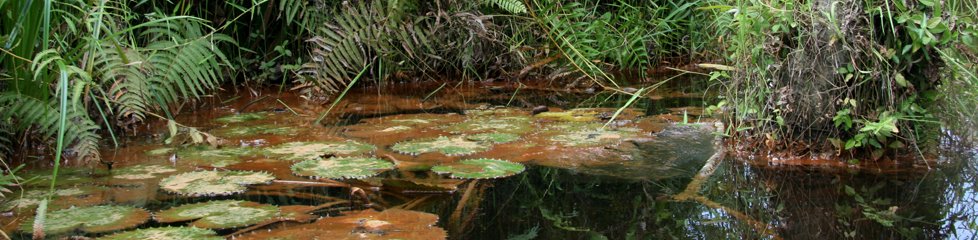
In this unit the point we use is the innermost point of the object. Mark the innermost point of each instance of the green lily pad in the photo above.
(242, 117)
(66, 177)
(341, 167)
(510, 124)
(95, 219)
(494, 137)
(216, 157)
(160, 151)
(165, 233)
(244, 131)
(482, 168)
(452, 146)
(573, 115)
(312, 150)
(222, 214)
(591, 138)
(140, 172)
(32, 198)
(213, 183)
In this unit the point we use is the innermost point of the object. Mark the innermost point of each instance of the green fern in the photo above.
(42, 117)
(180, 63)
(511, 6)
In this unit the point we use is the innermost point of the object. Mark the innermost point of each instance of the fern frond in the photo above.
(342, 50)
(25, 111)
(511, 6)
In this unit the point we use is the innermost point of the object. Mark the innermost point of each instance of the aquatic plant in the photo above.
(244, 131)
(139, 172)
(368, 224)
(216, 157)
(31, 198)
(95, 219)
(493, 137)
(481, 168)
(573, 115)
(341, 167)
(161, 151)
(165, 233)
(242, 117)
(221, 214)
(313, 150)
(213, 183)
(504, 124)
(591, 137)
(452, 146)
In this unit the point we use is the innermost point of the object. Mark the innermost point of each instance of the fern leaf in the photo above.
(511, 6)
(27, 111)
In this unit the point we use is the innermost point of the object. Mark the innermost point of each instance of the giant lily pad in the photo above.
(482, 168)
(213, 183)
(341, 167)
(591, 137)
(166, 233)
(140, 172)
(72, 196)
(312, 150)
(221, 214)
(244, 131)
(368, 224)
(452, 146)
(216, 157)
(96, 219)
(242, 117)
(494, 137)
(511, 124)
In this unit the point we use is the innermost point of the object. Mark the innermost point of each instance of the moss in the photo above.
(452, 146)
(165, 233)
(221, 214)
(312, 150)
(482, 168)
(94, 219)
(213, 183)
(341, 167)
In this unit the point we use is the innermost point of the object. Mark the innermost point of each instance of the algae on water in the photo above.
(222, 214)
(213, 183)
(242, 117)
(482, 168)
(244, 131)
(341, 167)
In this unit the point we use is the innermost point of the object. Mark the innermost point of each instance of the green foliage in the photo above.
(29, 111)
(511, 6)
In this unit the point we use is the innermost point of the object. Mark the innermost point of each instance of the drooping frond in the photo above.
(511, 6)
(342, 50)
(25, 111)
(179, 63)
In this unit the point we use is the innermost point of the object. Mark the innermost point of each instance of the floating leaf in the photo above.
(222, 214)
(160, 151)
(368, 224)
(573, 115)
(481, 168)
(341, 167)
(95, 219)
(244, 131)
(312, 150)
(139, 172)
(510, 124)
(242, 117)
(590, 138)
(216, 157)
(452, 146)
(213, 183)
(494, 137)
(165, 233)
(73, 196)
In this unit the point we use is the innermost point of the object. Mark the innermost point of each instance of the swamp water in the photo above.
(473, 162)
